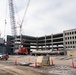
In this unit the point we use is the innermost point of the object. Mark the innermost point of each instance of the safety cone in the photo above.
(72, 64)
(15, 62)
(52, 61)
(29, 60)
(35, 64)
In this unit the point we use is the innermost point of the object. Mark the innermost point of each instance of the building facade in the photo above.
(69, 39)
(54, 42)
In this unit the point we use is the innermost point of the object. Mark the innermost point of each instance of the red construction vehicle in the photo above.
(22, 50)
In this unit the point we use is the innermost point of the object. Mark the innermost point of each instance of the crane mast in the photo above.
(13, 23)
(12, 18)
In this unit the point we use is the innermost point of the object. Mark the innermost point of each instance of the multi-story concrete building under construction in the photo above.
(52, 43)
(69, 39)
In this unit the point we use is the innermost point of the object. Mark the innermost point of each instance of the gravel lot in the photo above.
(63, 66)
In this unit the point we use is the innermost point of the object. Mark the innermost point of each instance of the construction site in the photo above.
(53, 54)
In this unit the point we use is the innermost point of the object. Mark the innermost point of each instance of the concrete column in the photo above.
(57, 47)
(37, 44)
(52, 41)
(42, 47)
(64, 42)
(49, 47)
(45, 42)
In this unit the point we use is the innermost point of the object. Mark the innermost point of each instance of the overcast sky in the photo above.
(43, 17)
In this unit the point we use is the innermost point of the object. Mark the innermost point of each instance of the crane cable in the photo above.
(23, 20)
(20, 24)
(24, 14)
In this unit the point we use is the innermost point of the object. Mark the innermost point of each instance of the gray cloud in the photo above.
(43, 16)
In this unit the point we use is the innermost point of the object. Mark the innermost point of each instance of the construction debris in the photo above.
(23, 63)
(39, 59)
(46, 61)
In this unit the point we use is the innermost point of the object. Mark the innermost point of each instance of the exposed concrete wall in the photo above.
(70, 39)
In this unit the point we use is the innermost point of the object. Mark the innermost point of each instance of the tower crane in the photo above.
(20, 24)
(21, 49)
(12, 20)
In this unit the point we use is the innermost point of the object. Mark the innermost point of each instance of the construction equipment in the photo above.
(12, 21)
(23, 21)
(4, 56)
(13, 26)
(12, 18)
(22, 50)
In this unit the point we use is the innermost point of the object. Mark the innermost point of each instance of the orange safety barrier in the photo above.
(35, 65)
(72, 63)
(15, 62)
(52, 61)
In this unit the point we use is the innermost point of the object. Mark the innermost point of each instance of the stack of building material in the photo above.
(24, 63)
(39, 59)
(43, 60)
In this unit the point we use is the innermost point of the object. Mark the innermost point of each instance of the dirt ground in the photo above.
(2, 72)
(16, 70)
(62, 66)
